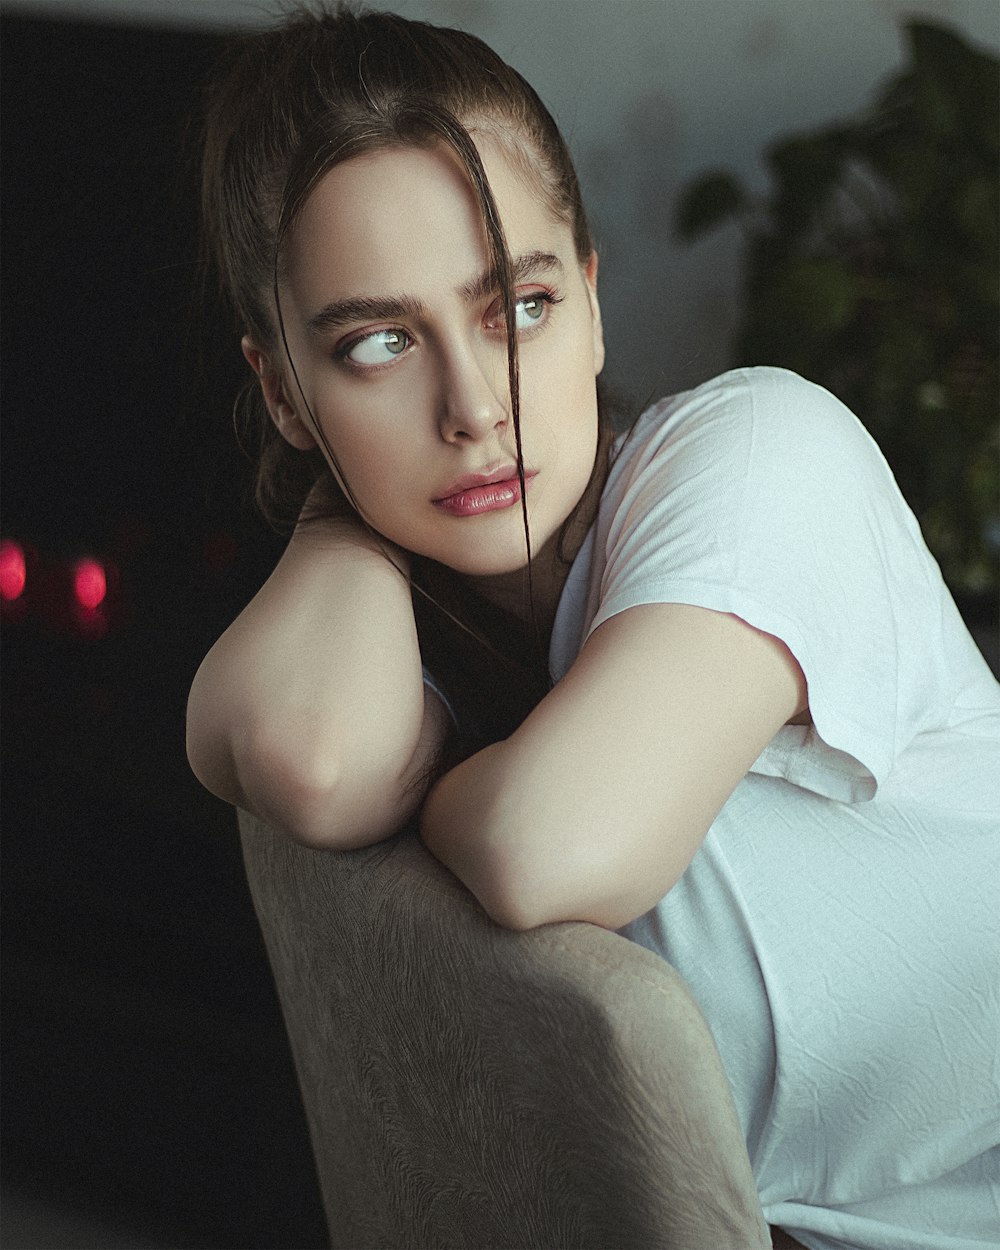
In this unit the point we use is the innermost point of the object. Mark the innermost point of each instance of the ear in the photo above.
(290, 425)
(590, 277)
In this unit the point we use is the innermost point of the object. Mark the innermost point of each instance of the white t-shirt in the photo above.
(839, 925)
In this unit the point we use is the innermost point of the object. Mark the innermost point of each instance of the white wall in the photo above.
(649, 93)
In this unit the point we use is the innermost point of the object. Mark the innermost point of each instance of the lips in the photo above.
(476, 493)
(502, 473)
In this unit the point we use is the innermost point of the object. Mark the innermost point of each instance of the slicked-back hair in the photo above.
(290, 103)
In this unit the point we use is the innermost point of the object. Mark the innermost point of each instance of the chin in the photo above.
(492, 565)
(481, 548)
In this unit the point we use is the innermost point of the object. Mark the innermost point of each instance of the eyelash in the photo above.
(545, 296)
(343, 350)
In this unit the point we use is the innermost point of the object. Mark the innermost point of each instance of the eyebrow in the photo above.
(343, 312)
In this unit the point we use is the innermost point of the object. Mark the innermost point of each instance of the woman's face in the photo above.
(396, 330)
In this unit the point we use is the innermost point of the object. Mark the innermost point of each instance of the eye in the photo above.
(379, 348)
(530, 311)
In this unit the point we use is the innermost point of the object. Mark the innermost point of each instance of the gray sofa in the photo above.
(474, 1088)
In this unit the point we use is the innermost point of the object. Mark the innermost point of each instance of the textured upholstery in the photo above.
(470, 1087)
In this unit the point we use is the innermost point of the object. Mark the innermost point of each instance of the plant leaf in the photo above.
(708, 202)
(806, 168)
(819, 293)
(956, 84)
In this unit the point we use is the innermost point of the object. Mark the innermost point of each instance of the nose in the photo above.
(470, 408)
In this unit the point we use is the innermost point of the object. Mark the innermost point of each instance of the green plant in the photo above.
(872, 268)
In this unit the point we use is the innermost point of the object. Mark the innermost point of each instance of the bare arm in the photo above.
(310, 710)
(594, 807)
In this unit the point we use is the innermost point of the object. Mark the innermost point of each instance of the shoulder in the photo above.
(761, 494)
(742, 406)
(760, 440)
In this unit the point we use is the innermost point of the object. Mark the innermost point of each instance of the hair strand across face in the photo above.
(293, 102)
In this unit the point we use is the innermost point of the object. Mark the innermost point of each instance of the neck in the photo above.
(538, 599)
(533, 602)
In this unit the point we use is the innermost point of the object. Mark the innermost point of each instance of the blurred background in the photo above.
(148, 1094)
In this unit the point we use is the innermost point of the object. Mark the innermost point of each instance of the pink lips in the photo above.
(483, 492)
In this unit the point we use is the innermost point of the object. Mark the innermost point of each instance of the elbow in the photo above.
(311, 799)
(482, 862)
(518, 898)
(510, 906)
(532, 858)
(288, 771)
(296, 783)
(489, 851)
(292, 795)
(516, 886)
(524, 882)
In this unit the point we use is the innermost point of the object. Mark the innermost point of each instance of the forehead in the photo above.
(406, 220)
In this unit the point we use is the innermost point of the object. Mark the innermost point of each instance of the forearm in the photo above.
(519, 834)
(310, 710)
(594, 807)
(457, 822)
(498, 828)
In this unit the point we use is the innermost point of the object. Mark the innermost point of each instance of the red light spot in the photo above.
(12, 570)
(89, 583)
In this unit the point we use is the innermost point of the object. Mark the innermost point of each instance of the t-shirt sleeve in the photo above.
(432, 684)
(760, 494)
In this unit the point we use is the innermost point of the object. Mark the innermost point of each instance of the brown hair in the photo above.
(290, 103)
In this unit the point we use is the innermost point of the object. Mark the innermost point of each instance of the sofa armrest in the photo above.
(467, 1086)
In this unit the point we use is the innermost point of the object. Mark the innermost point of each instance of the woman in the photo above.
(706, 687)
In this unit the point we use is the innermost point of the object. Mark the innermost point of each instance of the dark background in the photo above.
(146, 1076)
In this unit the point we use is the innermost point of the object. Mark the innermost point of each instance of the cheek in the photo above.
(375, 461)
(560, 433)
(560, 395)
(369, 435)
